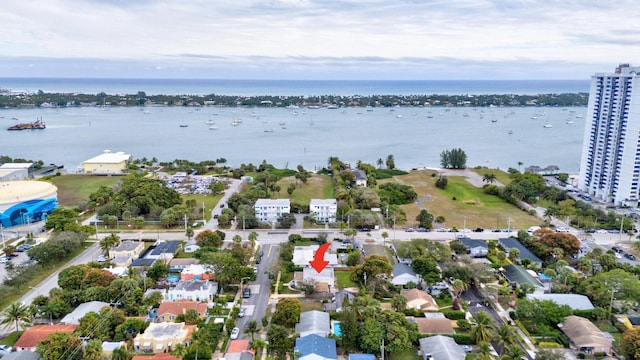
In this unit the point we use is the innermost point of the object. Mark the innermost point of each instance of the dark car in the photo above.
(478, 230)
(15, 254)
(421, 229)
(617, 249)
(365, 229)
(24, 247)
(630, 256)
(497, 230)
(247, 293)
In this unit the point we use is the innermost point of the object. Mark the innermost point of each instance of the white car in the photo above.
(235, 333)
(5, 350)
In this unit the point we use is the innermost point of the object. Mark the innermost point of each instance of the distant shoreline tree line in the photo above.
(142, 99)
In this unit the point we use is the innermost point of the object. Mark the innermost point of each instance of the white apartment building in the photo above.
(610, 165)
(270, 210)
(323, 210)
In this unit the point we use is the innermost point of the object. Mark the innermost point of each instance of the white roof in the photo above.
(273, 202)
(109, 158)
(83, 309)
(575, 301)
(303, 254)
(317, 202)
(16, 165)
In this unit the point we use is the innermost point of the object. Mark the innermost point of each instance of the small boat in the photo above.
(268, 130)
(547, 126)
(399, 116)
(510, 132)
(184, 125)
(313, 107)
(213, 127)
(36, 125)
(429, 116)
(494, 120)
(579, 116)
(569, 121)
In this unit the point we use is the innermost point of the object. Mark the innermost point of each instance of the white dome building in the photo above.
(24, 202)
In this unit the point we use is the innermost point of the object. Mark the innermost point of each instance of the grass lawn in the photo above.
(501, 176)
(11, 338)
(409, 355)
(210, 202)
(317, 187)
(479, 209)
(343, 279)
(314, 305)
(75, 189)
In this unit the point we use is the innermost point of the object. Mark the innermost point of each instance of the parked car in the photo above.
(24, 247)
(4, 260)
(421, 229)
(479, 229)
(630, 256)
(241, 312)
(467, 348)
(410, 229)
(5, 350)
(235, 333)
(247, 293)
(617, 249)
(15, 254)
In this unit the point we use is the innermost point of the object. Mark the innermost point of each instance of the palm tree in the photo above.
(459, 287)
(489, 178)
(482, 331)
(399, 303)
(484, 351)
(179, 351)
(513, 352)
(519, 165)
(379, 163)
(253, 236)
(258, 345)
(505, 335)
(18, 314)
(109, 242)
(121, 353)
(252, 329)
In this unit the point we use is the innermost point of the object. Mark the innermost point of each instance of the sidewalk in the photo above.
(531, 348)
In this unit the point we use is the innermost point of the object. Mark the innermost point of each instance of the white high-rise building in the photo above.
(610, 165)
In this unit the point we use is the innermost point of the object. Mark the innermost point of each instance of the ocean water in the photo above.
(492, 137)
(292, 87)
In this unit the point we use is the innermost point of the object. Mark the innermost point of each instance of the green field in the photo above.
(343, 279)
(471, 207)
(210, 202)
(317, 187)
(75, 189)
(501, 176)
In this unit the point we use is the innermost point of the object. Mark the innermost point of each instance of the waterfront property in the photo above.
(609, 168)
(107, 163)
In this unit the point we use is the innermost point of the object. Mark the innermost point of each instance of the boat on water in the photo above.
(36, 125)
(213, 127)
(569, 121)
(268, 130)
(510, 132)
(547, 125)
(184, 125)
(494, 120)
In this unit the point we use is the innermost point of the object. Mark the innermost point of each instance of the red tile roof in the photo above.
(32, 336)
(180, 307)
(238, 346)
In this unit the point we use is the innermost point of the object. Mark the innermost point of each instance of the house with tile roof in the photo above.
(170, 310)
(32, 336)
(315, 347)
(239, 350)
(419, 300)
(432, 325)
(197, 272)
(584, 336)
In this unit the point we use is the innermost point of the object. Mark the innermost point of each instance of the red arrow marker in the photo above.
(318, 262)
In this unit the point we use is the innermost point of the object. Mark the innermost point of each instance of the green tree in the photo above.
(442, 182)
(60, 345)
(179, 351)
(287, 312)
(16, 314)
(373, 266)
(482, 331)
(598, 288)
(399, 303)
(454, 158)
(108, 242)
(506, 335)
(391, 163)
(121, 353)
(209, 238)
(371, 335)
(280, 341)
(514, 255)
(513, 352)
(485, 351)
(252, 329)
(189, 233)
(425, 219)
(489, 178)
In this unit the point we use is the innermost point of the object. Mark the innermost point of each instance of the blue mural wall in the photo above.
(28, 212)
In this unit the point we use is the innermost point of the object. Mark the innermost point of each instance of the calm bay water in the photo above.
(415, 136)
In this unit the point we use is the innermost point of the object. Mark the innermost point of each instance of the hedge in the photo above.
(454, 314)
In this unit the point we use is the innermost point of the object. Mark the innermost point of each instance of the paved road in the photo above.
(256, 305)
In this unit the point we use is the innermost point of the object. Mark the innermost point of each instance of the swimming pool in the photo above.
(337, 330)
(173, 278)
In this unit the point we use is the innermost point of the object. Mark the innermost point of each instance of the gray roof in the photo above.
(73, 318)
(575, 301)
(512, 243)
(195, 285)
(126, 246)
(442, 348)
(314, 322)
(340, 297)
(471, 243)
(142, 262)
(22, 355)
(166, 247)
(359, 174)
(517, 273)
(399, 269)
(318, 345)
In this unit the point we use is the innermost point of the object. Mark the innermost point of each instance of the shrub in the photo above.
(454, 314)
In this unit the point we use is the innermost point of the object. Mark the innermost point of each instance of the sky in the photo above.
(318, 39)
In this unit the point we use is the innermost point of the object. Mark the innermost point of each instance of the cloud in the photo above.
(332, 35)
